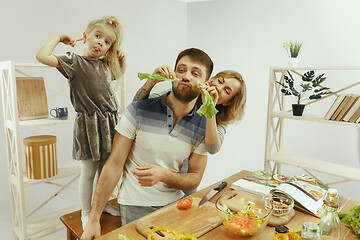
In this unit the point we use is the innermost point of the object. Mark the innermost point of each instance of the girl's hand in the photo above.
(68, 40)
(122, 60)
(212, 91)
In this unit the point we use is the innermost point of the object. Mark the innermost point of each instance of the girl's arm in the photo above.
(144, 91)
(45, 53)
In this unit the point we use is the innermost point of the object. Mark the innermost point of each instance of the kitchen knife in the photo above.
(212, 193)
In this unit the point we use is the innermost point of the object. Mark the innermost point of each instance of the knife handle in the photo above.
(221, 186)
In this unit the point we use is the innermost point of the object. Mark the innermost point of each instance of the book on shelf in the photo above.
(351, 100)
(352, 110)
(306, 191)
(340, 107)
(335, 105)
(355, 117)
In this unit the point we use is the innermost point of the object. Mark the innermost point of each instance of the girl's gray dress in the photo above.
(95, 105)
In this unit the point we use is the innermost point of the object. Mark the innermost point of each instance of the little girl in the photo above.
(89, 77)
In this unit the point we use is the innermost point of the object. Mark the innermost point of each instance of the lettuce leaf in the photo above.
(351, 219)
(208, 107)
(155, 76)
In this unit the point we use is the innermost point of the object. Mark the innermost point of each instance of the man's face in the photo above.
(189, 73)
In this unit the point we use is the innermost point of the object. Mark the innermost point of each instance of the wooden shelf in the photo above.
(346, 172)
(66, 169)
(311, 118)
(274, 152)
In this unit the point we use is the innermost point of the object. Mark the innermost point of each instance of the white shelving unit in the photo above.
(25, 225)
(274, 154)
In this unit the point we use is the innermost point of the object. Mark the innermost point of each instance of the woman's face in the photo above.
(226, 88)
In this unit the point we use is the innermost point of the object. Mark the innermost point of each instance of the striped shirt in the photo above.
(156, 141)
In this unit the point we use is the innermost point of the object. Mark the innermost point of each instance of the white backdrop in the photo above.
(244, 35)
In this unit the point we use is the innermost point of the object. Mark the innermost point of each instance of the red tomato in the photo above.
(236, 224)
(185, 203)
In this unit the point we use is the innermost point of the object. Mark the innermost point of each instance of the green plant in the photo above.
(311, 88)
(292, 48)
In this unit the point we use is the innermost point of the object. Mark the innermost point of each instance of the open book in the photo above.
(306, 191)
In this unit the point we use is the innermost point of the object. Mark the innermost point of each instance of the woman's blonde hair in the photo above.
(235, 110)
(110, 58)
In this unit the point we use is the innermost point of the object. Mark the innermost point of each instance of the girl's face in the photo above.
(226, 88)
(98, 41)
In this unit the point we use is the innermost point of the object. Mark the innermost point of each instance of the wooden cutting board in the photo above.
(31, 98)
(195, 220)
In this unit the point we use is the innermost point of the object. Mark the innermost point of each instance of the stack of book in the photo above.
(346, 107)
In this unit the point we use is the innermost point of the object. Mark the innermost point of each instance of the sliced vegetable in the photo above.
(177, 236)
(208, 107)
(185, 203)
(281, 236)
(154, 230)
(123, 237)
(155, 76)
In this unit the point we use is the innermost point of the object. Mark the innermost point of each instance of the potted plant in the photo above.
(310, 89)
(293, 49)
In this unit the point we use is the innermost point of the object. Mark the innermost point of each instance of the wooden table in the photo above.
(221, 233)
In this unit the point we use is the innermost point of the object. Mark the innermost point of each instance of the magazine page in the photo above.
(305, 190)
(258, 182)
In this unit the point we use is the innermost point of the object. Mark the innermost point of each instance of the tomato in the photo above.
(185, 203)
(236, 224)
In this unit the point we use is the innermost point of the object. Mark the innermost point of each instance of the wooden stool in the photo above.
(72, 222)
(41, 156)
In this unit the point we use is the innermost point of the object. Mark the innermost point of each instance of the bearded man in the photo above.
(152, 139)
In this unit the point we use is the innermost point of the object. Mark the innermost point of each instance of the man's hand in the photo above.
(91, 231)
(149, 175)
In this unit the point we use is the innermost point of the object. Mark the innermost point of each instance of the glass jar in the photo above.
(310, 231)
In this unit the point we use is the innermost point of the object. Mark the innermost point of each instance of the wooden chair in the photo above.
(72, 222)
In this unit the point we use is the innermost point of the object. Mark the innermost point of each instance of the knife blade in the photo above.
(212, 192)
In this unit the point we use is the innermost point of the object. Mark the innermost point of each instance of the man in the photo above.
(153, 137)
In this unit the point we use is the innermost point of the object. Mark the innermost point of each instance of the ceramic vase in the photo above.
(298, 109)
(293, 62)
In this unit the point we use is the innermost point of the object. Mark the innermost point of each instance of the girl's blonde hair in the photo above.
(110, 58)
(235, 111)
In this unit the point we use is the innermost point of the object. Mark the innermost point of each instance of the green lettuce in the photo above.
(208, 107)
(351, 219)
(155, 76)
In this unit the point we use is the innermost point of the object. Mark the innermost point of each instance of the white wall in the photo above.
(244, 35)
(247, 36)
(154, 33)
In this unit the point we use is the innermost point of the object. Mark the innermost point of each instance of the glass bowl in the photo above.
(242, 213)
(281, 204)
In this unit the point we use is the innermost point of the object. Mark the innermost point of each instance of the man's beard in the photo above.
(184, 95)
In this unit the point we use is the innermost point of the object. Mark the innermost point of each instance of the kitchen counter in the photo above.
(221, 233)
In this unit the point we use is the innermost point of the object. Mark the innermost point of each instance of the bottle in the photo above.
(310, 231)
(330, 223)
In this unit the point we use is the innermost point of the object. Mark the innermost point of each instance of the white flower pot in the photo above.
(293, 62)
